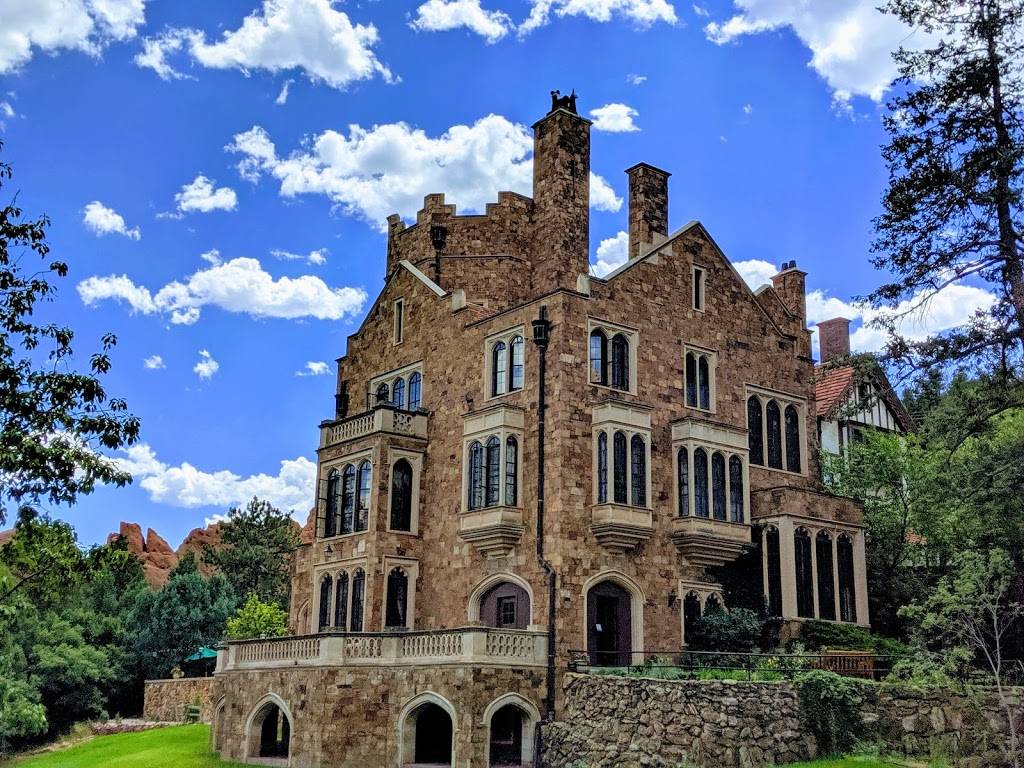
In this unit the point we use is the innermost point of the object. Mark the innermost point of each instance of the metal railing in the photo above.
(728, 665)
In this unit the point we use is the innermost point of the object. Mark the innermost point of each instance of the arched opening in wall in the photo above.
(691, 615)
(826, 574)
(847, 588)
(713, 604)
(428, 736)
(218, 727)
(804, 574)
(505, 605)
(269, 735)
(506, 743)
(773, 568)
(609, 625)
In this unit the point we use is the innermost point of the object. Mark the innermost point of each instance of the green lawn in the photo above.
(860, 762)
(183, 746)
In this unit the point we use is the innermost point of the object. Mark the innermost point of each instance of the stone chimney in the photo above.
(834, 338)
(561, 198)
(648, 205)
(790, 285)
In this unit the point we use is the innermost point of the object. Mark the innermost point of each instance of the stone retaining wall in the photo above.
(165, 700)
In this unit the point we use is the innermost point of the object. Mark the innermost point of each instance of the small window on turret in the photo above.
(698, 289)
(399, 321)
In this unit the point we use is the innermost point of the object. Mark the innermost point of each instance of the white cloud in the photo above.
(154, 363)
(238, 285)
(443, 15)
(315, 258)
(206, 366)
(614, 118)
(372, 173)
(756, 272)
(103, 221)
(291, 489)
(851, 42)
(612, 253)
(643, 13)
(6, 109)
(202, 195)
(281, 36)
(282, 97)
(314, 368)
(633, 79)
(51, 25)
(700, 10)
(211, 256)
(748, 109)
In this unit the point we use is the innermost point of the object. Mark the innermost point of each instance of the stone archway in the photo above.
(511, 722)
(268, 732)
(613, 619)
(490, 587)
(427, 732)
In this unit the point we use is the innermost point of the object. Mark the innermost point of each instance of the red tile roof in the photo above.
(6, 536)
(831, 387)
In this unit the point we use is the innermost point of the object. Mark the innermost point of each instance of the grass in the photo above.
(182, 746)
(861, 762)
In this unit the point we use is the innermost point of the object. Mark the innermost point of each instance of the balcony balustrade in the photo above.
(382, 419)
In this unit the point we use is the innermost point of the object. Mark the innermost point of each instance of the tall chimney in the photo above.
(790, 284)
(648, 205)
(561, 198)
(834, 338)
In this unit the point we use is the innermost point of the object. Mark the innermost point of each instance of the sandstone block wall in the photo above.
(165, 700)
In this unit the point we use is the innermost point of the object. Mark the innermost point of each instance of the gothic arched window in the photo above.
(773, 554)
(602, 468)
(499, 369)
(755, 439)
(382, 392)
(683, 470)
(476, 475)
(333, 503)
(398, 393)
(398, 588)
(516, 348)
(415, 389)
(804, 576)
(793, 439)
(826, 574)
(358, 593)
(325, 601)
(598, 357)
(492, 484)
(619, 459)
(620, 362)
(847, 586)
(700, 482)
(718, 485)
(705, 383)
(638, 471)
(348, 499)
(365, 478)
(691, 379)
(511, 471)
(736, 489)
(774, 422)
(341, 602)
(401, 496)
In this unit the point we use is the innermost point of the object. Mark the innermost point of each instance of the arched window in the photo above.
(365, 478)
(755, 440)
(326, 585)
(499, 369)
(602, 468)
(401, 496)
(847, 587)
(691, 615)
(511, 471)
(638, 471)
(804, 577)
(398, 393)
(348, 499)
(793, 439)
(358, 593)
(492, 487)
(620, 362)
(476, 475)
(398, 588)
(341, 602)
(619, 459)
(415, 391)
(691, 379)
(774, 420)
(826, 574)
(598, 357)
(382, 392)
(333, 503)
(700, 482)
(774, 556)
(705, 383)
(683, 470)
(505, 605)
(516, 349)
(712, 604)
(736, 489)
(718, 485)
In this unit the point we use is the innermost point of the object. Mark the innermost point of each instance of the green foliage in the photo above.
(815, 635)
(21, 714)
(258, 544)
(830, 709)
(53, 420)
(738, 630)
(257, 619)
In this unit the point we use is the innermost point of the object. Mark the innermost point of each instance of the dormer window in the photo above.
(505, 362)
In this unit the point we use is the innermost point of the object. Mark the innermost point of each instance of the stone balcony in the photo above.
(494, 531)
(467, 646)
(706, 542)
(383, 419)
(620, 528)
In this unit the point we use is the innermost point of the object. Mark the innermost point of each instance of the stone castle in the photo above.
(529, 465)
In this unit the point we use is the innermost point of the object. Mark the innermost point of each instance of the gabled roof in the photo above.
(834, 385)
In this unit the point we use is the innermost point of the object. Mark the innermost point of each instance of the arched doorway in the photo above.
(505, 605)
(427, 737)
(691, 615)
(609, 625)
(269, 733)
(506, 740)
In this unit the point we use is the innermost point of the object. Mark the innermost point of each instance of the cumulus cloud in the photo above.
(615, 118)
(238, 285)
(184, 485)
(444, 15)
(311, 36)
(104, 221)
(374, 172)
(51, 25)
(851, 42)
(756, 272)
(206, 366)
(203, 195)
(643, 13)
(612, 253)
(315, 258)
(154, 363)
(211, 256)
(314, 368)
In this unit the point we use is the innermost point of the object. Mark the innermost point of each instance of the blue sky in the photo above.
(218, 173)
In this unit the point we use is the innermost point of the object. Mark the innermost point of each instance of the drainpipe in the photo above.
(541, 336)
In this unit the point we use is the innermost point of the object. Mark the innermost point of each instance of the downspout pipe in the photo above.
(541, 337)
